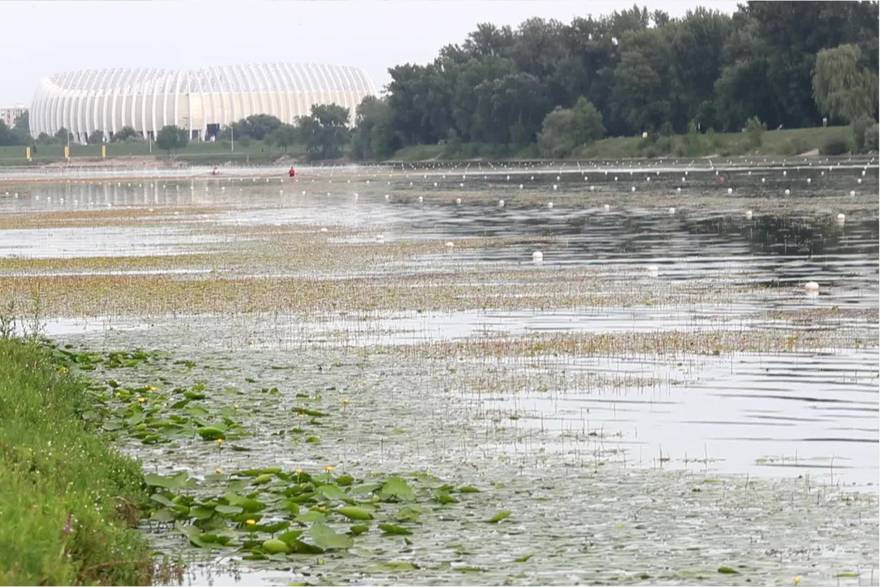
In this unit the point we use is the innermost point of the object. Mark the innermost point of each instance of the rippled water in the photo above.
(575, 445)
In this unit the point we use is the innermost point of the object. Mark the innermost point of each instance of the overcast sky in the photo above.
(41, 38)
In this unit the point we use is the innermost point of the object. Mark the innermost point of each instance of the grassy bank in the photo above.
(773, 143)
(67, 500)
(196, 153)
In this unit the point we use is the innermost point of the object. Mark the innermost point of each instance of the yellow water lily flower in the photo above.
(250, 522)
(329, 468)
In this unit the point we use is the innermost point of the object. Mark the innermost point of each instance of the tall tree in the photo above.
(324, 131)
(843, 90)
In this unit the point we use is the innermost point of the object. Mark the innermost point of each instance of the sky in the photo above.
(41, 38)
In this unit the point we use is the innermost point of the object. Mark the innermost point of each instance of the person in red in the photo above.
(292, 172)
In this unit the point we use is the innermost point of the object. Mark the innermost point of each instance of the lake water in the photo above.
(659, 396)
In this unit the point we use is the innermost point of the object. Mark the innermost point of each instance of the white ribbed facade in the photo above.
(148, 99)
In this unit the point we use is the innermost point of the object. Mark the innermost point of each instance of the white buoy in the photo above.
(550, 204)
(841, 218)
(784, 173)
(435, 184)
(763, 180)
(500, 203)
(380, 237)
(607, 206)
(421, 199)
(449, 244)
(811, 287)
(787, 192)
(677, 190)
(729, 191)
(809, 180)
(458, 201)
(387, 196)
(537, 257)
(749, 214)
(859, 181)
(852, 192)
(555, 187)
(632, 189)
(323, 229)
(653, 270)
(672, 210)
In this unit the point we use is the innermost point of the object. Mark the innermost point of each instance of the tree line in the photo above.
(630, 72)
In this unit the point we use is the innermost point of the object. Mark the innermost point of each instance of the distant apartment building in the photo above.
(9, 115)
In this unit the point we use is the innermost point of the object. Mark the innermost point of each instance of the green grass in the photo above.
(206, 153)
(774, 143)
(66, 499)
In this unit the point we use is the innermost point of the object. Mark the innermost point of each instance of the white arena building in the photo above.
(201, 101)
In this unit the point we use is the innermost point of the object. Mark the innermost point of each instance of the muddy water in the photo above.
(618, 466)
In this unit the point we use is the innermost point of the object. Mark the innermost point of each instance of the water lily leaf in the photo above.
(409, 513)
(502, 515)
(290, 537)
(330, 492)
(163, 515)
(523, 558)
(201, 512)
(327, 538)
(179, 480)
(358, 529)
(398, 566)
(248, 504)
(468, 489)
(275, 546)
(394, 530)
(211, 433)
(355, 513)
(300, 547)
(444, 498)
(274, 526)
(228, 509)
(727, 570)
(396, 488)
(311, 516)
(308, 412)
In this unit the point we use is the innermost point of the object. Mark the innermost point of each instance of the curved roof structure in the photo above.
(148, 99)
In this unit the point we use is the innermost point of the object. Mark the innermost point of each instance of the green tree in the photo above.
(842, 89)
(62, 136)
(126, 133)
(324, 131)
(373, 135)
(171, 138)
(257, 126)
(283, 136)
(565, 129)
(96, 137)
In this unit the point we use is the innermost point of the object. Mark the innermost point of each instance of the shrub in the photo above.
(755, 131)
(796, 145)
(834, 146)
(871, 137)
(859, 127)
